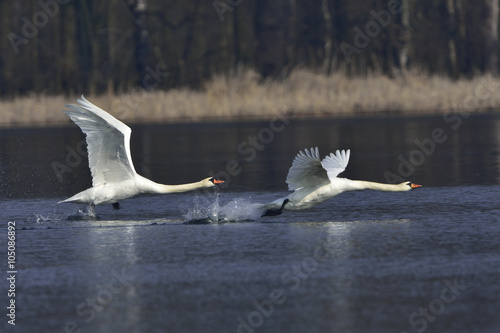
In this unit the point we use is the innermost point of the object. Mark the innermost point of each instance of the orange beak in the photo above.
(413, 185)
(217, 181)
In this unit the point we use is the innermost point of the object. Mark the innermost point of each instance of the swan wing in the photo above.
(306, 170)
(108, 141)
(336, 163)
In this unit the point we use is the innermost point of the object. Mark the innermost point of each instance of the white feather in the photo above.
(314, 181)
(306, 170)
(113, 174)
(108, 143)
(336, 164)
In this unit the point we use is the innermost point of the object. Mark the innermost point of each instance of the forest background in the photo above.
(157, 61)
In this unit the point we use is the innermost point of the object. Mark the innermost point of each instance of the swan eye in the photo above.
(409, 184)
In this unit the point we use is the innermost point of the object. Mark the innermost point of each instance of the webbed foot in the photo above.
(276, 211)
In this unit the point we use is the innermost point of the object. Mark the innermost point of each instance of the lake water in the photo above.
(427, 260)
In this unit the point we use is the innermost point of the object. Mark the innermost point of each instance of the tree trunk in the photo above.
(452, 37)
(84, 36)
(141, 36)
(327, 61)
(405, 35)
(271, 30)
(491, 36)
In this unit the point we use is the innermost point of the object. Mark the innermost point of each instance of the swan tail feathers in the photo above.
(81, 197)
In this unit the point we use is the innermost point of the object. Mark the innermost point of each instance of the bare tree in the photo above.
(327, 62)
(405, 34)
(85, 46)
(141, 36)
(491, 35)
(452, 37)
(271, 30)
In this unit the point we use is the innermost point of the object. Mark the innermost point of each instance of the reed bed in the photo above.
(244, 95)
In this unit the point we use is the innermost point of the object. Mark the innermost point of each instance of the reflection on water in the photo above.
(365, 261)
(434, 151)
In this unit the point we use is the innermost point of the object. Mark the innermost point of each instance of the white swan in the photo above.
(113, 174)
(314, 181)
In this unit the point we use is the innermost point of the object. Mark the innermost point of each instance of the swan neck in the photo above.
(153, 187)
(182, 187)
(362, 185)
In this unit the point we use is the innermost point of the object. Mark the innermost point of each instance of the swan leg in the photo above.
(91, 210)
(275, 211)
(116, 206)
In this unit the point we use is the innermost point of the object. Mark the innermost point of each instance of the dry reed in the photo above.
(243, 95)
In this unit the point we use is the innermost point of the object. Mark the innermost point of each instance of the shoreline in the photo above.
(294, 116)
(244, 97)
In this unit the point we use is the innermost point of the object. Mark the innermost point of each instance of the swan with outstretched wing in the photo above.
(113, 174)
(313, 181)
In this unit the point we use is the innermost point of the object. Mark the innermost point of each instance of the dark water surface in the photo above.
(425, 260)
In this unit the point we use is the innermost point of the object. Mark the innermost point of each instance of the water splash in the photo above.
(241, 209)
(84, 214)
(204, 210)
(209, 210)
(39, 218)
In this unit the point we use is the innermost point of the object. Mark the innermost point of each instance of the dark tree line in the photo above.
(82, 46)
